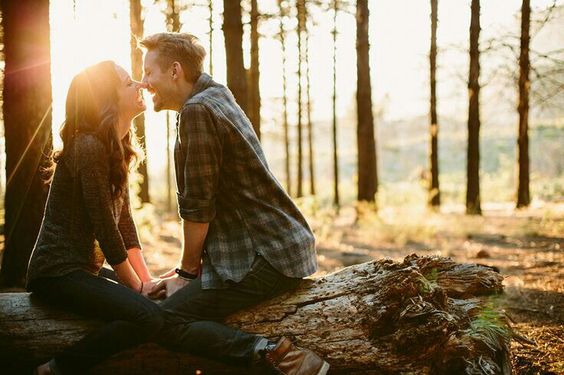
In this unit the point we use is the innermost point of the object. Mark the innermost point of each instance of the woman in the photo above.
(88, 220)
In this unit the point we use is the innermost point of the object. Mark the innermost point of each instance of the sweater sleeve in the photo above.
(96, 190)
(127, 226)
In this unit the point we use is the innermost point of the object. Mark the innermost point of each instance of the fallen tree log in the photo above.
(426, 315)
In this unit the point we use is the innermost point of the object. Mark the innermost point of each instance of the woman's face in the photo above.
(131, 102)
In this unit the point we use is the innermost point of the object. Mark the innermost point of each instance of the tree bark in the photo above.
(254, 73)
(426, 315)
(172, 16)
(282, 34)
(523, 195)
(233, 35)
(434, 191)
(336, 199)
(27, 129)
(136, 23)
(300, 5)
(311, 161)
(210, 21)
(169, 204)
(473, 206)
(367, 177)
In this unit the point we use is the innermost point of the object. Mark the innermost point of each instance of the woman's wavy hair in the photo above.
(92, 108)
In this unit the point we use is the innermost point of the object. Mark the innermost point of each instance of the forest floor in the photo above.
(526, 245)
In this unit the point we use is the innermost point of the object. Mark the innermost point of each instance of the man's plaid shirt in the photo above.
(223, 178)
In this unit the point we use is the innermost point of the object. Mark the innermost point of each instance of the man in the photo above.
(244, 239)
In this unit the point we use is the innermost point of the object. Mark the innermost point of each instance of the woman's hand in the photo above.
(148, 286)
(167, 287)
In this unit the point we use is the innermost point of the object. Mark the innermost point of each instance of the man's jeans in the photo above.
(193, 315)
(132, 318)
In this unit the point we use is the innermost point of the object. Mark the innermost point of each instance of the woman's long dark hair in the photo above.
(92, 108)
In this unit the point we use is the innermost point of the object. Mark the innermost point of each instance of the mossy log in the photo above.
(426, 315)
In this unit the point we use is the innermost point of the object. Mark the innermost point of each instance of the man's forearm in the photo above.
(194, 238)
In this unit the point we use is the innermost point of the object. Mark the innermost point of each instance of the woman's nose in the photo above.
(141, 85)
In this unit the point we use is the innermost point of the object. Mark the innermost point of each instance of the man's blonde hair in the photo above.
(182, 47)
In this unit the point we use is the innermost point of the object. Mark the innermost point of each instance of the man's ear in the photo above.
(176, 70)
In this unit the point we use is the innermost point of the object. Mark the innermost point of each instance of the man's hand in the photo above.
(167, 287)
(168, 273)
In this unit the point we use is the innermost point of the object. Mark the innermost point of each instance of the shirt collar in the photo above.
(203, 82)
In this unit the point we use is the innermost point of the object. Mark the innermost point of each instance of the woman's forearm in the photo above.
(128, 276)
(137, 261)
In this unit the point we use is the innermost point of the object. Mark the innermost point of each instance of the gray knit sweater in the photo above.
(83, 224)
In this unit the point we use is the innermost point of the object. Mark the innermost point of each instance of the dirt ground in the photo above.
(527, 247)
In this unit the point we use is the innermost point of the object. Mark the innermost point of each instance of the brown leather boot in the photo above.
(288, 359)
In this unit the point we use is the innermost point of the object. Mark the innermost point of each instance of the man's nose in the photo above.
(144, 83)
(141, 85)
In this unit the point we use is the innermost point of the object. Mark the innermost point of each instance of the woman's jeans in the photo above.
(133, 319)
(194, 315)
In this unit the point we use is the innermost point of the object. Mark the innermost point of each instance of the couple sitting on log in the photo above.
(244, 240)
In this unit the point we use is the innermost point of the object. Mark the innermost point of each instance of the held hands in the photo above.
(165, 287)
(148, 286)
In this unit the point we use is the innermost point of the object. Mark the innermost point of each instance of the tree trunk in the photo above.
(523, 196)
(336, 200)
(210, 55)
(233, 33)
(254, 72)
(367, 178)
(309, 121)
(27, 129)
(473, 155)
(136, 23)
(172, 16)
(283, 14)
(300, 5)
(426, 315)
(169, 203)
(434, 191)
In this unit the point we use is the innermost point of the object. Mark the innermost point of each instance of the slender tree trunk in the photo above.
(168, 165)
(473, 156)
(27, 129)
(336, 200)
(283, 13)
(300, 4)
(523, 196)
(136, 23)
(367, 178)
(309, 121)
(210, 55)
(233, 33)
(434, 191)
(172, 15)
(254, 74)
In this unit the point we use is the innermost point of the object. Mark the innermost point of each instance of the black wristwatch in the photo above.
(185, 275)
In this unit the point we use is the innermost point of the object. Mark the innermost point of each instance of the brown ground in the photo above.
(527, 246)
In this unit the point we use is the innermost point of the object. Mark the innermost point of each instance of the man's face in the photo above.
(159, 83)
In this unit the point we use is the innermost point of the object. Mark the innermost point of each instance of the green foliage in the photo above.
(490, 327)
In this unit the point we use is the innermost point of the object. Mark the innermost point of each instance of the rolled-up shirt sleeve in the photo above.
(96, 191)
(201, 141)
